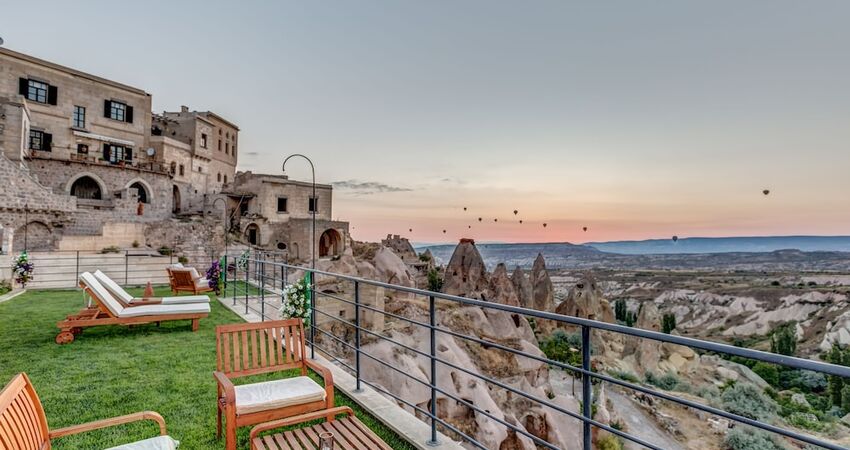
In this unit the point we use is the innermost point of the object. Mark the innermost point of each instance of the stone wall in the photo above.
(268, 188)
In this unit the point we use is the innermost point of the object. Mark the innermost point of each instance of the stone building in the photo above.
(88, 154)
(199, 149)
(274, 212)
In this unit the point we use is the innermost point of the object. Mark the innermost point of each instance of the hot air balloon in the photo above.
(544, 224)
(480, 219)
(584, 228)
(675, 238)
(464, 208)
(444, 231)
(495, 220)
(410, 230)
(520, 221)
(766, 191)
(516, 212)
(469, 226)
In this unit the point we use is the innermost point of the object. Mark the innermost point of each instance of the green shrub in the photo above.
(5, 286)
(631, 318)
(563, 347)
(110, 249)
(182, 259)
(135, 244)
(746, 438)
(747, 400)
(624, 375)
(165, 251)
(668, 381)
(609, 442)
(435, 281)
(668, 323)
(807, 421)
(424, 257)
(784, 340)
(768, 372)
(620, 310)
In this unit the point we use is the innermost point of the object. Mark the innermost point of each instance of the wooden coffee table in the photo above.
(349, 433)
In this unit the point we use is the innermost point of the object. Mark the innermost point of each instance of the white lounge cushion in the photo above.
(194, 272)
(125, 296)
(202, 283)
(157, 443)
(153, 310)
(177, 265)
(275, 394)
(102, 294)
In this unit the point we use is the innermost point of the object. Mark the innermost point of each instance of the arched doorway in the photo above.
(143, 192)
(330, 243)
(34, 236)
(175, 199)
(252, 233)
(87, 188)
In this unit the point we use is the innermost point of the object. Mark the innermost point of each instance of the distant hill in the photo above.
(774, 254)
(725, 245)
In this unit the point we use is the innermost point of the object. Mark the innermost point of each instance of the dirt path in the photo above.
(641, 424)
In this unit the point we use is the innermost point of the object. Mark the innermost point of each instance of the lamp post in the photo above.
(315, 207)
(26, 224)
(312, 253)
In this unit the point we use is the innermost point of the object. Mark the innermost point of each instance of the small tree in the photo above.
(784, 340)
(668, 323)
(631, 318)
(620, 310)
(747, 400)
(435, 281)
(768, 372)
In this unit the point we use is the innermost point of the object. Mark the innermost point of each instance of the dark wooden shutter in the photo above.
(128, 117)
(46, 142)
(107, 105)
(52, 94)
(128, 154)
(106, 151)
(23, 86)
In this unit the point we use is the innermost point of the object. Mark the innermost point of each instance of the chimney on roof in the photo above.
(184, 108)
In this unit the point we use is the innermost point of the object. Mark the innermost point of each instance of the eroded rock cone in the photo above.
(466, 274)
(542, 290)
(523, 288)
(585, 299)
(502, 288)
(646, 352)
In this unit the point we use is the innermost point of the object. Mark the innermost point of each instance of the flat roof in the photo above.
(75, 72)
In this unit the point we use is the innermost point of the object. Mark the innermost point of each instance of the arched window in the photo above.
(143, 193)
(87, 188)
(219, 177)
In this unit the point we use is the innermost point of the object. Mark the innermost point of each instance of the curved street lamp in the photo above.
(315, 207)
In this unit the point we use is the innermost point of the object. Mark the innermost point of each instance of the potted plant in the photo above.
(296, 301)
(22, 269)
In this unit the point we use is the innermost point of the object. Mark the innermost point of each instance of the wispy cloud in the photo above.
(358, 187)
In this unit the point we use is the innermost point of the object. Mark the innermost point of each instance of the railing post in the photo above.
(247, 274)
(224, 281)
(263, 292)
(312, 315)
(77, 268)
(357, 333)
(586, 388)
(432, 315)
(126, 267)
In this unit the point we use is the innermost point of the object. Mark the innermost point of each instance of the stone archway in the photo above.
(35, 236)
(86, 187)
(143, 188)
(175, 199)
(330, 243)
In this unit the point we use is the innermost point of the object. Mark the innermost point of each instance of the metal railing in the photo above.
(267, 275)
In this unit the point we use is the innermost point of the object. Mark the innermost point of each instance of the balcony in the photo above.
(93, 159)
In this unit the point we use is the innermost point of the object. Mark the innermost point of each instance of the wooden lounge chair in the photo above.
(187, 279)
(128, 300)
(108, 311)
(349, 433)
(23, 424)
(255, 348)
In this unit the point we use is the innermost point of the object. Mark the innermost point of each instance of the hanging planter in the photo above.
(22, 269)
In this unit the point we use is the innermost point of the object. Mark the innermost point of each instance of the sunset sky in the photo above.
(635, 119)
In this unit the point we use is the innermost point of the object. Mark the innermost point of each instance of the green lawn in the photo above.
(111, 371)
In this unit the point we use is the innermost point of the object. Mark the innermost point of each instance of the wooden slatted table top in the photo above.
(349, 434)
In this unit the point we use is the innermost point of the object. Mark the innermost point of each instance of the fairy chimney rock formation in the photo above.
(502, 288)
(543, 292)
(646, 352)
(585, 300)
(466, 274)
(523, 288)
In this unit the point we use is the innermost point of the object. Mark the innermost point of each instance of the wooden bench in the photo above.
(23, 424)
(187, 280)
(348, 433)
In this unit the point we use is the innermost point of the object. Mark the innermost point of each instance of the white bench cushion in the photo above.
(125, 296)
(102, 294)
(275, 394)
(152, 310)
(157, 443)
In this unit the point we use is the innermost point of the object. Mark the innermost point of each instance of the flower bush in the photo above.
(22, 269)
(296, 301)
(214, 277)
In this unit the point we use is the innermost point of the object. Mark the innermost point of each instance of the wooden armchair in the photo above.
(187, 280)
(257, 348)
(23, 425)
